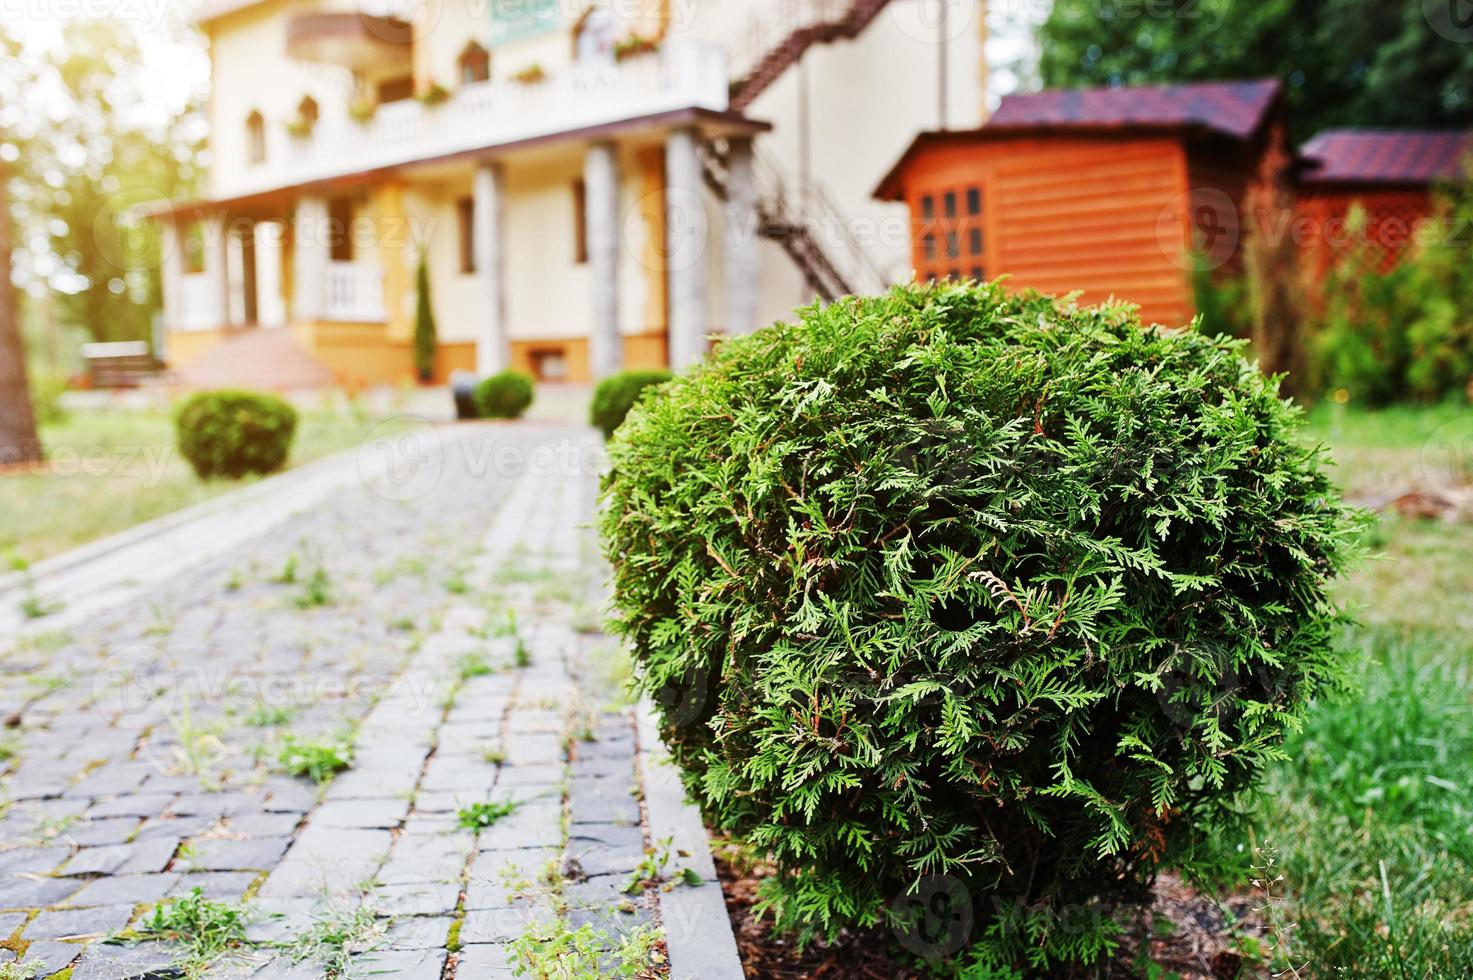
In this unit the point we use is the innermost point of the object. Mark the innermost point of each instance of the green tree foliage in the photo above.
(955, 583)
(424, 324)
(1407, 334)
(235, 433)
(87, 167)
(1344, 62)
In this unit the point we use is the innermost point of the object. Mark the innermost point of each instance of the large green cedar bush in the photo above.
(955, 583)
(234, 433)
(505, 395)
(617, 394)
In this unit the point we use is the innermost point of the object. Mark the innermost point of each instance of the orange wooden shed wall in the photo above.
(1106, 215)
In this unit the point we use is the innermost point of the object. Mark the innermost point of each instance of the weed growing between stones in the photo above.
(319, 759)
(479, 816)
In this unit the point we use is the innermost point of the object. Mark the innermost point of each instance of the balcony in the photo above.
(199, 303)
(484, 115)
(352, 39)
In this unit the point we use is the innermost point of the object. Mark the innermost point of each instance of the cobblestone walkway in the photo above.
(445, 643)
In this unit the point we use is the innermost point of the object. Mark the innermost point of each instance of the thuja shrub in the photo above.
(951, 590)
(234, 433)
(505, 395)
(617, 394)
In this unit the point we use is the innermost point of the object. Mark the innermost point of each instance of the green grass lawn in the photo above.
(1370, 820)
(111, 469)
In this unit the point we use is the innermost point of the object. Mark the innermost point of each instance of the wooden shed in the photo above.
(1101, 190)
(1390, 173)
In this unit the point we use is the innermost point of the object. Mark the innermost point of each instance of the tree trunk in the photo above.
(18, 440)
(1271, 263)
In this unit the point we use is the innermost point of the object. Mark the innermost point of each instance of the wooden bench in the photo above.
(126, 364)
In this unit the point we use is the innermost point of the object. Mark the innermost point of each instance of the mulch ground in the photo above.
(1189, 933)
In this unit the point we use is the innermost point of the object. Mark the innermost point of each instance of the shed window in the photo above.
(953, 239)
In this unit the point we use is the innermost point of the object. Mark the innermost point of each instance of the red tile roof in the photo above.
(1234, 109)
(1384, 156)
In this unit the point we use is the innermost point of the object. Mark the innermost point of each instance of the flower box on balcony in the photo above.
(634, 46)
(433, 94)
(531, 75)
(362, 110)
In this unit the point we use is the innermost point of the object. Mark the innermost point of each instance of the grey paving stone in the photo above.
(264, 824)
(401, 964)
(112, 830)
(490, 960)
(64, 923)
(108, 961)
(327, 860)
(364, 813)
(217, 886)
(140, 857)
(418, 932)
(9, 922)
(21, 892)
(172, 828)
(255, 853)
(32, 860)
(124, 890)
(502, 925)
(416, 897)
(53, 957)
(135, 805)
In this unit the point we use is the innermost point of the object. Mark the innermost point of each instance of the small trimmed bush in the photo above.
(617, 394)
(956, 593)
(234, 433)
(505, 395)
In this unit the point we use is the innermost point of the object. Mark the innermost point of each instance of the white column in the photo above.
(270, 305)
(601, 225)
(311, 251)
(741, 238)
(685, 248)
(171, 272)
(217, 268)
(492, 352)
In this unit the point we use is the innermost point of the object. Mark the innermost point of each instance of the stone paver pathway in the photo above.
(447, 634)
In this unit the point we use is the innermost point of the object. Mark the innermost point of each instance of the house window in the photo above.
(396, 89)
(475, 64)
(928, 207)
(256, 138)
(307, 110)
(340, 228)
(465, 209)
(974, 201)
(580, 222)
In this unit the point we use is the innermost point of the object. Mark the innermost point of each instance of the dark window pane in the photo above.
(953, 245)
(928, 206)
(951, 204)
(977, 273)
(954, 275)
(928, 246)
(974, 200)
(976, 241)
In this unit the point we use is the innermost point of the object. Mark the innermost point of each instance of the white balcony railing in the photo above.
(199, 303)
(355, 292)
(682, 75)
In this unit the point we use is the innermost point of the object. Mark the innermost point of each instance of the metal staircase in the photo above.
(798, 215)
(804, 220)
(778, 34)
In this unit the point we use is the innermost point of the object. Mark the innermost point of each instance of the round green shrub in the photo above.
(956, 586)
(505, 395)
(617, 394)
(234, 433)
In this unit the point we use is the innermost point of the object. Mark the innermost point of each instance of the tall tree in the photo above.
(18, 440)
(1343, 62)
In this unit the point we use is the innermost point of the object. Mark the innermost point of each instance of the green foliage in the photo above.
(207, 930)
(557, 951)
(505, 395)
(479, 816)
(424, 324)
(617, 394)
(233, 433)
(956, 583)
(1344, 62)
(1406, 334)
(319, 759)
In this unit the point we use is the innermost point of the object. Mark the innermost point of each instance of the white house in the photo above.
(592, 185)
